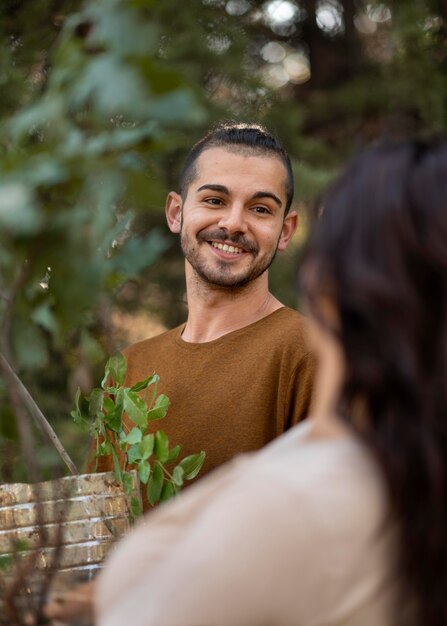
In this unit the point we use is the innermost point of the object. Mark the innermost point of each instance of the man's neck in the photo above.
(214, 312)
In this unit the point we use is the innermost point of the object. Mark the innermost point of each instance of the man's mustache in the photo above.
(220, 234)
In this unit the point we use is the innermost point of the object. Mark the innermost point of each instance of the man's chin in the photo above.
(226, 282)
(223, 276)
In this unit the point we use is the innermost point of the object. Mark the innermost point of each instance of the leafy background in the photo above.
(100, 103)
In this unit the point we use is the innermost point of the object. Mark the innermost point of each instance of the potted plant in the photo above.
(56, 533)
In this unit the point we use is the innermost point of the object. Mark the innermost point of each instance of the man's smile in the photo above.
(228, 248)
(224, 242)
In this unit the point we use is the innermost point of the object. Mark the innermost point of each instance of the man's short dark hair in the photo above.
(243, 138)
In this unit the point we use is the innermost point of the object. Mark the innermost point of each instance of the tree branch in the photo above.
(20, 396)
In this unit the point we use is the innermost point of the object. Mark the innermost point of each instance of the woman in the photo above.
(343, 520)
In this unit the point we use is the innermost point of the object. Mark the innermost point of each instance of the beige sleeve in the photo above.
(156, 536)
(242, 558)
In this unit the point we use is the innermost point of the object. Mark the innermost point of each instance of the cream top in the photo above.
(293, 535)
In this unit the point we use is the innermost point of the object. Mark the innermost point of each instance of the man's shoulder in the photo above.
(292, 317)
(288, 323)
(283, 333)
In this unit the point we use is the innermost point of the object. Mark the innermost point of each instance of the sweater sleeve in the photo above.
(239, 558)
(215, 571)
(294, 536)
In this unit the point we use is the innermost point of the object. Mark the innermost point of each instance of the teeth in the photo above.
(226, 248)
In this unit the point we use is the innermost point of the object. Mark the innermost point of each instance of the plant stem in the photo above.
(169, 475)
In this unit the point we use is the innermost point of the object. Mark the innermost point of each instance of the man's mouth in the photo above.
(225, 247)
(219, 239)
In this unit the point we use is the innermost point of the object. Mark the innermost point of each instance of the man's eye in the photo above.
(261, 209)
(215, 201)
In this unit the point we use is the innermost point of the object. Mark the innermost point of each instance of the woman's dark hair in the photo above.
(379, 252)
(245, 138)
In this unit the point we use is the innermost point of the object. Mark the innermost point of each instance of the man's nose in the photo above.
(234, 219)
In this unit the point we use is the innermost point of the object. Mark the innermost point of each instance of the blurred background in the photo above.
(100, 103)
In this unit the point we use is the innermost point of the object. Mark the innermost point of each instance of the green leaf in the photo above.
(106, 379)
(146, 446)
(116, 465)
(95, 402)
(108, 404)
(177, 475)
(155, 485)
(138, 253)
(134, 436)
(77, 400)
(160, 408)
(192, 464)
(144, 470)
(135, 507)
(44, 316)
(135, 408)
(113, 422)
(127, 484)
(173, 454)
(161, 446)
(118, 139)
(178, 105)
(119, 27)
(125, 95)
(80, 421)
(18, 211)
(104, 448)
(119, 401)
(77, 415)
(114, 419)
(143, 384)
(115, 371)
(30, 343)
(117, 366)
(133, 454)
(168, 491)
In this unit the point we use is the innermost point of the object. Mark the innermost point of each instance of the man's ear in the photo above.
(288, 228)
(173, 209)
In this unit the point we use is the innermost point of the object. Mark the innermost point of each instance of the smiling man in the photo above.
(239, 213)
(238, 372)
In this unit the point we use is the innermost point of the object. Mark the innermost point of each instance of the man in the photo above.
(238, 372)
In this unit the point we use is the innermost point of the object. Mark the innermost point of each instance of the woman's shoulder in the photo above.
(336, 480)
(310, 515)
(325, 505)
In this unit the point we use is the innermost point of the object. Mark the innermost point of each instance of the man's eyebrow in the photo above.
(211, 187)
(267, 194)
(258, 194)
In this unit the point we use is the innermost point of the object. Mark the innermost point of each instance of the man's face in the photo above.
(232, 219)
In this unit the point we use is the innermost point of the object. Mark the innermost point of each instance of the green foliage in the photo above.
(101, 100)
(71, 160)
(135, 448)
(90, 107)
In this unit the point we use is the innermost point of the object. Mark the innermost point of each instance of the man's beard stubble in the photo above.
(222, 276)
